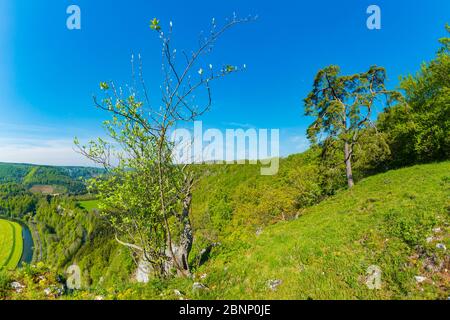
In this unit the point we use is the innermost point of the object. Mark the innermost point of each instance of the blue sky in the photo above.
(49, 73)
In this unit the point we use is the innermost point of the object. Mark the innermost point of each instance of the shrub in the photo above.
(5, 283)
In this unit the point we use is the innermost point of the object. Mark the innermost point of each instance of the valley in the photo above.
(359, 211)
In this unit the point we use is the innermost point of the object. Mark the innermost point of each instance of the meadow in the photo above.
(11, 244)
(89, 205)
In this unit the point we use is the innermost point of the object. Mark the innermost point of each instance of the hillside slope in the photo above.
(385, 221)
(397, 221)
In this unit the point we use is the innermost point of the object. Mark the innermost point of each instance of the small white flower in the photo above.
(245, 66)
(171, 24)
(200, 72)
(210, 66)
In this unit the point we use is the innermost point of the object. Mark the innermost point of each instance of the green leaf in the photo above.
(154, 24)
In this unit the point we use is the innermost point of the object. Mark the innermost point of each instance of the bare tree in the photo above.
(147, 196)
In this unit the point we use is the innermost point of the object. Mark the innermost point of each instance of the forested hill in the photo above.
(53, 179)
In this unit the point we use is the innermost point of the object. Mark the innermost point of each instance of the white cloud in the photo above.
(239, 125)
(27, 148)
(48, 152)
(293, 140)
(300, 143)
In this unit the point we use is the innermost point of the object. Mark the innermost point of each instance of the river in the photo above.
(28, 245)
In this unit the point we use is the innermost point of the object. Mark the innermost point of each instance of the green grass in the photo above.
(325, 253)
(89, 205)
(11, 244)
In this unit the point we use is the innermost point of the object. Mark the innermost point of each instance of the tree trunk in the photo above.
(348, 165)
(186, 239)
(182, 250)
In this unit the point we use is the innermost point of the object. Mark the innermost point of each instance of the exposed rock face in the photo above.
(143, 271)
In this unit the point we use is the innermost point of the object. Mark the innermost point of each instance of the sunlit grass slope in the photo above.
(89, 205)
(11, 244)
(397, 221)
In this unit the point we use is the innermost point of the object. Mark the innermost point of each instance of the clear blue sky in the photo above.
(48, 73)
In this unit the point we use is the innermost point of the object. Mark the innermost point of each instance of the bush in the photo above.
(5, 283)
(411, 227)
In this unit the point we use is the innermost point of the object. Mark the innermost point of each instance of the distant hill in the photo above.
(49, 178)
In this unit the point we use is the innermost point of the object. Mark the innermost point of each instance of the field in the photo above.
(89, 205)
(47, 189)
(11, 244)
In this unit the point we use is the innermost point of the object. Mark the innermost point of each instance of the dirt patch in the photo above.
(43, 189)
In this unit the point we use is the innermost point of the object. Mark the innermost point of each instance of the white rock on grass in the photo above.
(17, 286)
(259, 231)
(420, 279)
(177, 292)
(198, 286)
(274, 284)
(437, 230)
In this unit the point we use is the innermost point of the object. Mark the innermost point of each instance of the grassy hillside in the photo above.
(11, 244)
(232, 202)
(384, 221)
(89, 205)
(397, 221)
